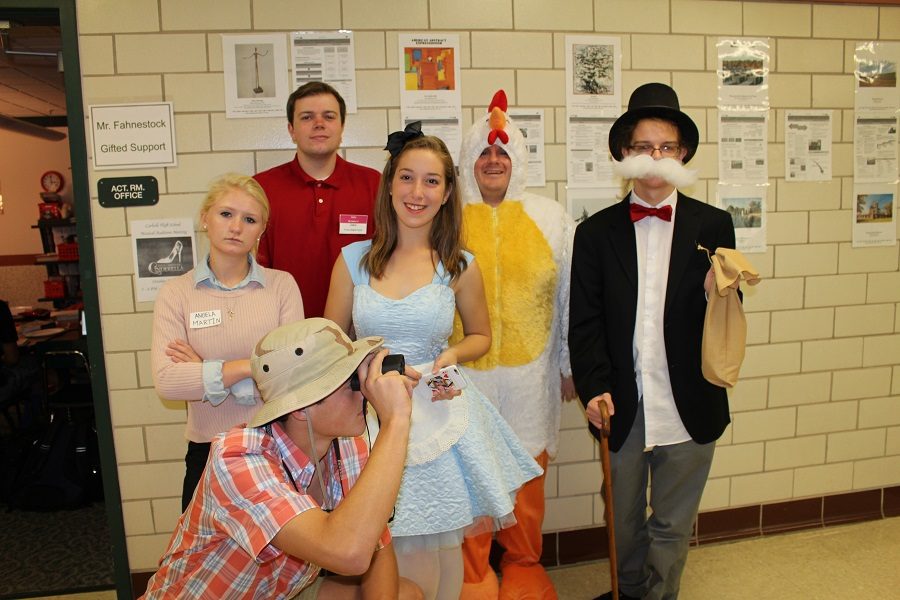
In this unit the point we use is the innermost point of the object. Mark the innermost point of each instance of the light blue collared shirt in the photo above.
(214, 388)
(203, 275)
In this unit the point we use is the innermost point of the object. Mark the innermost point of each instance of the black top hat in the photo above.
(659, 101)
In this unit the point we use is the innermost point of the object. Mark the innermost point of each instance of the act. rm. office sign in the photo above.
(126, 136)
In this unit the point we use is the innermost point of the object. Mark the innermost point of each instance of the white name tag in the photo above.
(206, 318)
(352, 224)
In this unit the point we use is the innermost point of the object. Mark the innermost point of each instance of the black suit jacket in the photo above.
(603, 311)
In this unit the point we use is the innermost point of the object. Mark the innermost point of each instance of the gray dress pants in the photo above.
(652, 549)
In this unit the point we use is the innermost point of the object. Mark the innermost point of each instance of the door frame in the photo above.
(87, 268)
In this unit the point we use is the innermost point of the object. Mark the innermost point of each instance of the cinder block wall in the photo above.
(818, 408)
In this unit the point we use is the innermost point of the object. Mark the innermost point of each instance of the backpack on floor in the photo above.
(56, 473)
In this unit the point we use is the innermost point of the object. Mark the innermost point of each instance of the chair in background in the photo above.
(67, 380)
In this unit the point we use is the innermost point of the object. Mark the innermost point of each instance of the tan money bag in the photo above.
(725, 327)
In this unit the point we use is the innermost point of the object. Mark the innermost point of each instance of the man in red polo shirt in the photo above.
(319, 201)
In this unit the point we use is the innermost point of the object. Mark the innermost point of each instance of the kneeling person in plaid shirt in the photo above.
(288, 495)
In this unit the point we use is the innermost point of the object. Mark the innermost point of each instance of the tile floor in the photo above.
(849, 561)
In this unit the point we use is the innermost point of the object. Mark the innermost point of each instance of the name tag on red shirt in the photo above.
(352, 224)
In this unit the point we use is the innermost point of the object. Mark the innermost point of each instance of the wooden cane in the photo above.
(608, 499)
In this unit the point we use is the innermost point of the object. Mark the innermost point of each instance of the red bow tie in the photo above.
(639, 211)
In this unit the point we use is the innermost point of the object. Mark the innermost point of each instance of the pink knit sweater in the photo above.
(256, 311)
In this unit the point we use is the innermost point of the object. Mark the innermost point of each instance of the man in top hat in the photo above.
(524, 244)
(638, 299)
(297, 490)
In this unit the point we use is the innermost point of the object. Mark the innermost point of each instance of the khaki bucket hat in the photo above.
(300, 363)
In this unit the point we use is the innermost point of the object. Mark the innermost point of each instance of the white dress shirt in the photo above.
(653, 238)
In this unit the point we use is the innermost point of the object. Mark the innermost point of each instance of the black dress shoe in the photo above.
(609, 596)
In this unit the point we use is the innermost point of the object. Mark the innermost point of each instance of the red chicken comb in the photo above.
(497, 120)
(498, 101)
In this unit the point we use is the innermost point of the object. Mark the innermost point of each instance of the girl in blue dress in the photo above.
(464, 464)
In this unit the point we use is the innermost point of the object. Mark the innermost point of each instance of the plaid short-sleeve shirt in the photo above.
(255, 481)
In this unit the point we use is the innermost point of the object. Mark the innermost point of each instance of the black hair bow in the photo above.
(398, 139)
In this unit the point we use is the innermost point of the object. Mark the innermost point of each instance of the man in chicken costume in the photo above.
(523, 243)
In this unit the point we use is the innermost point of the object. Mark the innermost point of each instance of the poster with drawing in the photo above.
(256, 75)
(593, 75)
(593, 102)
(430, 85)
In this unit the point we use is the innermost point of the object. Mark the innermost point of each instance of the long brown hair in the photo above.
(446, 229)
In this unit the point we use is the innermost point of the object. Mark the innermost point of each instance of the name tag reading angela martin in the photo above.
(206, 318)
(353, 224)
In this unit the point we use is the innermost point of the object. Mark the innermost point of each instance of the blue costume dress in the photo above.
(465, 464)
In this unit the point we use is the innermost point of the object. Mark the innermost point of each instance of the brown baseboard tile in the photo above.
(742, 522)
(550, 553)
(791, 516)
(549, 557)
(582, 545)
(852, 507)
(891, 501)
(728, 524)
(139, 583)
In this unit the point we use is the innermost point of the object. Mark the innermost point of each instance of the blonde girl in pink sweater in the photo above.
(206, 321)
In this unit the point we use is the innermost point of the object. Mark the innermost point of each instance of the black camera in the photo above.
(392, 362)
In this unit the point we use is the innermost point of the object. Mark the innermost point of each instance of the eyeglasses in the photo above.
(664, 149)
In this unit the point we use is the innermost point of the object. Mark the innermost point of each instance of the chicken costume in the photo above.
(523, 246)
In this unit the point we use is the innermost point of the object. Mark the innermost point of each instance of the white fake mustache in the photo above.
(641, 166)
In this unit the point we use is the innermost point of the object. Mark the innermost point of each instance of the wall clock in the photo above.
(52, 181)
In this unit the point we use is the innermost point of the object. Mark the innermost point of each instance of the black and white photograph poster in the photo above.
(163, 249)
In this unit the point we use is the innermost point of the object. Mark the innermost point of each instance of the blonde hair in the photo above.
(235, 181)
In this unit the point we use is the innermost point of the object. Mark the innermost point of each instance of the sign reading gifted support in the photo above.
(127, 191)
(133, 135)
